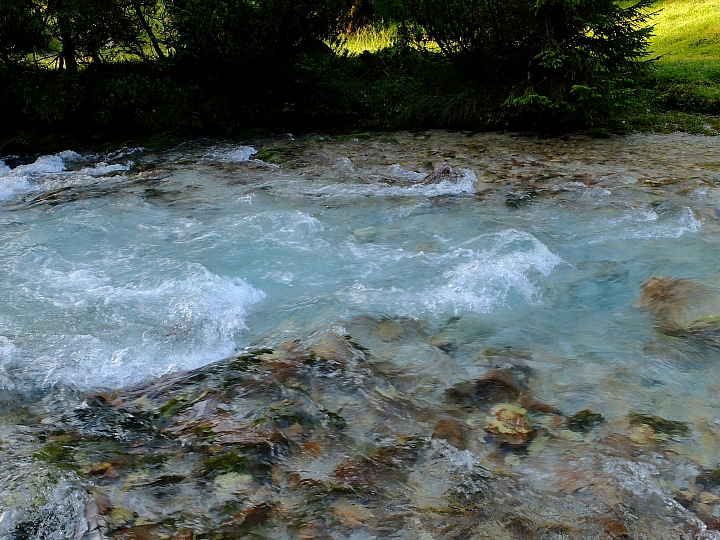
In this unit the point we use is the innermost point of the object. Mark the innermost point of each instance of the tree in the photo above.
(23, 31)
(556, 60)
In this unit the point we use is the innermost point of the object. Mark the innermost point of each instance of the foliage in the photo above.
(114, 68)
(562, 61)
(23, 31)
(244, 32)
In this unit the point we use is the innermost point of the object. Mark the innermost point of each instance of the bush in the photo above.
(560, 61)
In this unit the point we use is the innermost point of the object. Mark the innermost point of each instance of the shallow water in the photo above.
(371, 300)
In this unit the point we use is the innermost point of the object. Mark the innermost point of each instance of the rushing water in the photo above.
(404, 355)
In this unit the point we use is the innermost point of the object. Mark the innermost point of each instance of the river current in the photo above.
(398, 335)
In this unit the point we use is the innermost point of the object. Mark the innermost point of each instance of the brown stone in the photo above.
(530, 403)
(351, 474)
(498, 385)
(294, 433)
(350, 515)
(334, 349)
(141, 532)
(452, 431)
(183, 534)
(614, 528)
(388, 330)
(311, 447)
(510, 424)
(710, 521)
(622, 444)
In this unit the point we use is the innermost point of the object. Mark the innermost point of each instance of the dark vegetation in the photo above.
(104, 70)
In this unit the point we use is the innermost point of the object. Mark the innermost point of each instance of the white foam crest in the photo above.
(10, 185)
(504, 265)
(141, 332)
(46, 164)
(104, 168)
(233, 154)
(464, 183)
(299, 221)
(399, 173)
(3, 168)
(49, 172)
(124, 152)
(509, 265)
(648, 224)
(7, 351)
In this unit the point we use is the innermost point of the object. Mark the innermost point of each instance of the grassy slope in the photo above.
(687, 31)
(687, 40)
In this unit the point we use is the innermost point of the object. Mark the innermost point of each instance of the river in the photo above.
(377, 335)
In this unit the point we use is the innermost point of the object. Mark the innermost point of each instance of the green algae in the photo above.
(658, 424)
(584, 420)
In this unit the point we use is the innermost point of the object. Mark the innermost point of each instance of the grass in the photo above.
(687, 31)
(372, 39)
(687, 78)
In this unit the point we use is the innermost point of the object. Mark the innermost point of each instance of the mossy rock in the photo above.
(709, 479)
(583, 421)
(659, 424)
(274, 155)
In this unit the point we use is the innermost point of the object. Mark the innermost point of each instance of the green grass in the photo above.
(372, 39)
(687, 76)
(687, 31)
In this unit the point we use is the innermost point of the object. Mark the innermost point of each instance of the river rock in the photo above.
(452, 431)
(683, 308)
(495, 386)
(388, 330)
(510, 424)
(584, 420)
(440, 174)
(658, 424)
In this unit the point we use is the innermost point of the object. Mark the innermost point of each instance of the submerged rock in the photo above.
(440, 174)
(510, 424)
(680, 307)
(659, 424)
(495, 386)
(584, 420)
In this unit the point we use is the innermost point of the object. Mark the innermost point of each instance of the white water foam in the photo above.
(647, 224)
(399, 173)
(498, 266)
(49, 172)
(463, 184)
(233, 154)
(7, 352)
(510, 264)
(103, 167)
(122, 335)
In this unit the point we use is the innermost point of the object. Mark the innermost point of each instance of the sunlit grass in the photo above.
(372, 39)
(687, 30)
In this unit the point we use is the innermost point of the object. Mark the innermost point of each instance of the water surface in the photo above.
(383, 322)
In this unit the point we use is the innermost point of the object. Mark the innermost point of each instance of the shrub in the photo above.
(560, 61)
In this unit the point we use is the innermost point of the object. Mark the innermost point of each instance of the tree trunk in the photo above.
(146, 27)
(362, 13)
(68, 46)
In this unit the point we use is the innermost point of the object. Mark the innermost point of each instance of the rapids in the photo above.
(315, 337)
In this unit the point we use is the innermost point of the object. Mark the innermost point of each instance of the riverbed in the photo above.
(376, 335)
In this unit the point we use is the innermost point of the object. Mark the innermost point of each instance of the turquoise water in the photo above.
(121, 268)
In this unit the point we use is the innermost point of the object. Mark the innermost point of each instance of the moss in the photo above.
(58, 455)
(274, 155)
(230, 462)
(709, 479)
(169, 409)
(659, 424)
(584, 420)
